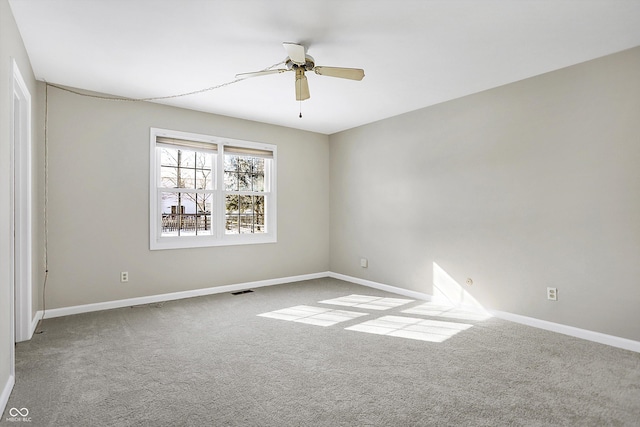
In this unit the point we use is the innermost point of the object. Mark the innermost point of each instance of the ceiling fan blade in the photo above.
(343, 73)
(295, 53)
(302, 86)
(260, 73)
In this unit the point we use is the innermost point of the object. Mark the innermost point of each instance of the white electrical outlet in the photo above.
(364, 263)
(552, 294)
(124, 276)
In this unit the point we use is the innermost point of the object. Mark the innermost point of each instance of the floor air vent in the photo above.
(242, 292)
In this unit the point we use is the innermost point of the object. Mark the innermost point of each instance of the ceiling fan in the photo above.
(299, 62)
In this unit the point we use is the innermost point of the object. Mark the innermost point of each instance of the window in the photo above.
(210, 191)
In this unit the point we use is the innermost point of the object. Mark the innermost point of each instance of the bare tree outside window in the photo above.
(186, 212)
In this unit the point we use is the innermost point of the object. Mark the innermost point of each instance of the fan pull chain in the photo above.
(298, 82)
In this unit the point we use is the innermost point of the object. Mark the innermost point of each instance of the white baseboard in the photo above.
(598, 337)
(33, 326)
(6, 392)
(381, 286)
(34, 323)
(86, 308)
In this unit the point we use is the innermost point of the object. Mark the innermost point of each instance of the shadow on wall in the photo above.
(447, 291)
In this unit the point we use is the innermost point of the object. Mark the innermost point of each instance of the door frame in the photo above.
(21, 209)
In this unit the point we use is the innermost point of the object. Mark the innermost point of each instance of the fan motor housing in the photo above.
(308, 65)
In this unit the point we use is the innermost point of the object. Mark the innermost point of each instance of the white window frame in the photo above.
(218, 236)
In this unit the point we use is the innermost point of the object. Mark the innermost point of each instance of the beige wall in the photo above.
(11, 47)
(526, 186)
(99, 204)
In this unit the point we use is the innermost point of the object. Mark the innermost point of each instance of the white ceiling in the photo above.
(415, 53)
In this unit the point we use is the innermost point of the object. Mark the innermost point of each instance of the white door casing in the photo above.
(22, 206)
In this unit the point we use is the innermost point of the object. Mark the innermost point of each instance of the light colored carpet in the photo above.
(214, 361)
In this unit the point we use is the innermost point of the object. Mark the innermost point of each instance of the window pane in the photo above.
(168, 157)
(204, 225)
(257, 181)
(203, 171)
(170, 214)
(244, 173)
(230, 181)
(244, 214)
(186, 169)
(258, 217)
(203, 216)
(187, 158)
(234, 168)
(246, 205)
(169, 176)
(203, 160)
(230, 163)
(187, 178)
(202, 202)
(204, 179)
(232, 204)
(259, 204)
(231, 224)
(244, 181)
(246, 224)
(186, 214)
(232, 214)
(258, 165)
(245, 164)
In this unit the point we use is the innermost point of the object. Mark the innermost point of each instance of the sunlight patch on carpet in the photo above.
(318, 316)
(368, 302)
(410, 327)
(430, 309)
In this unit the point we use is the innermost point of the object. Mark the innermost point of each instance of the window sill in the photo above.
(205, 242)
